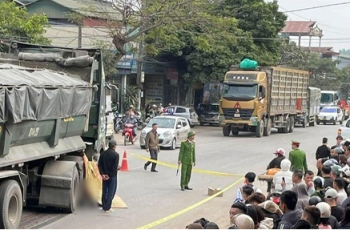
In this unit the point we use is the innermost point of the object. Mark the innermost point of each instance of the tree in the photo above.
(262, 21)
(205, 51)
(17, 24)
(127, 20)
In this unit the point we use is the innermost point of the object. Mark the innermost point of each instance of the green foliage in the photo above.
(345, 51)
(17, 24)
(262, 21)
(130, 98)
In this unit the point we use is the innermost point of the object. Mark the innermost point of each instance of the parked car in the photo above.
(171, 131)
(344, 130)
(185, 112)
(208, 114)
(331, 114)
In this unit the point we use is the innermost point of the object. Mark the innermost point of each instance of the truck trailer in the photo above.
(52, 117)
(260, 99)
(313, 108)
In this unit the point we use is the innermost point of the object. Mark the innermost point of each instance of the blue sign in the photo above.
(126, 62)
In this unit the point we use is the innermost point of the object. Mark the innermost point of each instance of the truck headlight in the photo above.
(166, 134)
(253, 119)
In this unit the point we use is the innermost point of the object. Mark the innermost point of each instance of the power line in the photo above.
(317, 7)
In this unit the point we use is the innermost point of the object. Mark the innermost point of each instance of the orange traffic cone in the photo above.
(124, 166)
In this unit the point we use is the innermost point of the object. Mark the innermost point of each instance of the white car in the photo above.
(171, 131)
(330, 115)
(344, 130)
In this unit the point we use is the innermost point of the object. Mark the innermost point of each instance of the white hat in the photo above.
(345, 170)
(331, 194)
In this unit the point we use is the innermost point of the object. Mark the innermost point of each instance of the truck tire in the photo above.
(11, 204)
(74, 193)
(260, 128)
(226, 131)
(286, 129)
(267, 129)
(292, 124)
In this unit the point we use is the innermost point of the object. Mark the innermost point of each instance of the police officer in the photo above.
(187, 157)
(297, 157)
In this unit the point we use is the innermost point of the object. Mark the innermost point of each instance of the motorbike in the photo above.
(128, 134)
(117, 122)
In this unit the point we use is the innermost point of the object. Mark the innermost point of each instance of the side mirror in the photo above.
(178, 126)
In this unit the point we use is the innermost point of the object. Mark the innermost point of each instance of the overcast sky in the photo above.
(334, 20)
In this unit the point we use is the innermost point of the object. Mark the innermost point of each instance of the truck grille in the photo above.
(245, 114)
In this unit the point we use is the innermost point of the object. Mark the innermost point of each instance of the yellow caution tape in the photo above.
(175, 166)
(183, 211)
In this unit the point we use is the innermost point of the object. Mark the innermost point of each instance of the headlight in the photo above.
(253, 119)
(167, 134)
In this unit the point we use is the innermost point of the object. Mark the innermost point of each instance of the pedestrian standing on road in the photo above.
(152, 146)
(323, 151)
(187, 159)
(297, 157)
(108, 166)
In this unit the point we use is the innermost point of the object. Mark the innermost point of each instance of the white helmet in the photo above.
(154, 105)
(325, 209)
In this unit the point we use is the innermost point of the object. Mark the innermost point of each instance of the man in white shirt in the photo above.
(249, 180)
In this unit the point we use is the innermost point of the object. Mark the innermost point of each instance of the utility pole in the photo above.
(80, 36)
(140, 74)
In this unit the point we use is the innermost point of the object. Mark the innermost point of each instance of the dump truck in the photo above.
(313, 108)
(52, 121)
(257, 100)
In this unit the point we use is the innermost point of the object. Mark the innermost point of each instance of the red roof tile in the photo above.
(298, 27)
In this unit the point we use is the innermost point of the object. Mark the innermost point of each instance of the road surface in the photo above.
(151, 196)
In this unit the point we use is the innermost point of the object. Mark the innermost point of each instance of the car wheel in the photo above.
(173, 144)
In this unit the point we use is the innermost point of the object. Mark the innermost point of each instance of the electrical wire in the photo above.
(317, 7)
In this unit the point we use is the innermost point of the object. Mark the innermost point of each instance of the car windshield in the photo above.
(329, 110)
(162, 122)
(327, 98)
(243, 92)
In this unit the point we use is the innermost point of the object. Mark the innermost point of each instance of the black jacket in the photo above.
(276, 162)
(301, 224)
(108, 163)
(323, 152)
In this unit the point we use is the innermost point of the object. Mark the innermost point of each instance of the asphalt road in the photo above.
(153, 196)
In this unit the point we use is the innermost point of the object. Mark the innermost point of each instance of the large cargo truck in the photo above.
(52, 117)
(313, 108)
(261, 99)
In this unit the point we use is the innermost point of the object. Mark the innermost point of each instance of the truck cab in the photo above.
(329, 98)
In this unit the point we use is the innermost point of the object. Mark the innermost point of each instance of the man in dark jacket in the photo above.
(309, 219)
(108, 166)
(323, 151)
(288, 203)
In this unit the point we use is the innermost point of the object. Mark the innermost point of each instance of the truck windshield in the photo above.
(239, 92)
(329, 110)
(327, 98)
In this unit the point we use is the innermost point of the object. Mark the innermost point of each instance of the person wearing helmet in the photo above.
(327, 221)
(242, 221)
(314, 200)
(319, 188)
(131, 110)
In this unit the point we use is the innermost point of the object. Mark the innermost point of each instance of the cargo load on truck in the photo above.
(259, 99)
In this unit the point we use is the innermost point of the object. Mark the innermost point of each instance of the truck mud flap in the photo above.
(93, 184)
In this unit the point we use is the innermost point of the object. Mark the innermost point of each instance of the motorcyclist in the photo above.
(132, 120)
(153, 111)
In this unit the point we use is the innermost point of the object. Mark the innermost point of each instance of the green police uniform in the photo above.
(297, 158)
(187, 156)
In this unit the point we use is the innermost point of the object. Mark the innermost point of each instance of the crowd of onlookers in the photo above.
(297, 198)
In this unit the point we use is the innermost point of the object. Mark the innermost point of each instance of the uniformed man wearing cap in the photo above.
(297, 157)
(187, 157)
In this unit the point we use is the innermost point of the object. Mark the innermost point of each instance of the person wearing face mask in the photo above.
(132, 120)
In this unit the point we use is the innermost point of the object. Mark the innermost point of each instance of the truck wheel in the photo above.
(267, 129)
(74, 192)
(235, 132)
(226, 131)
(11, 204)
(260, 128)
(286, 129)
(291, 127)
